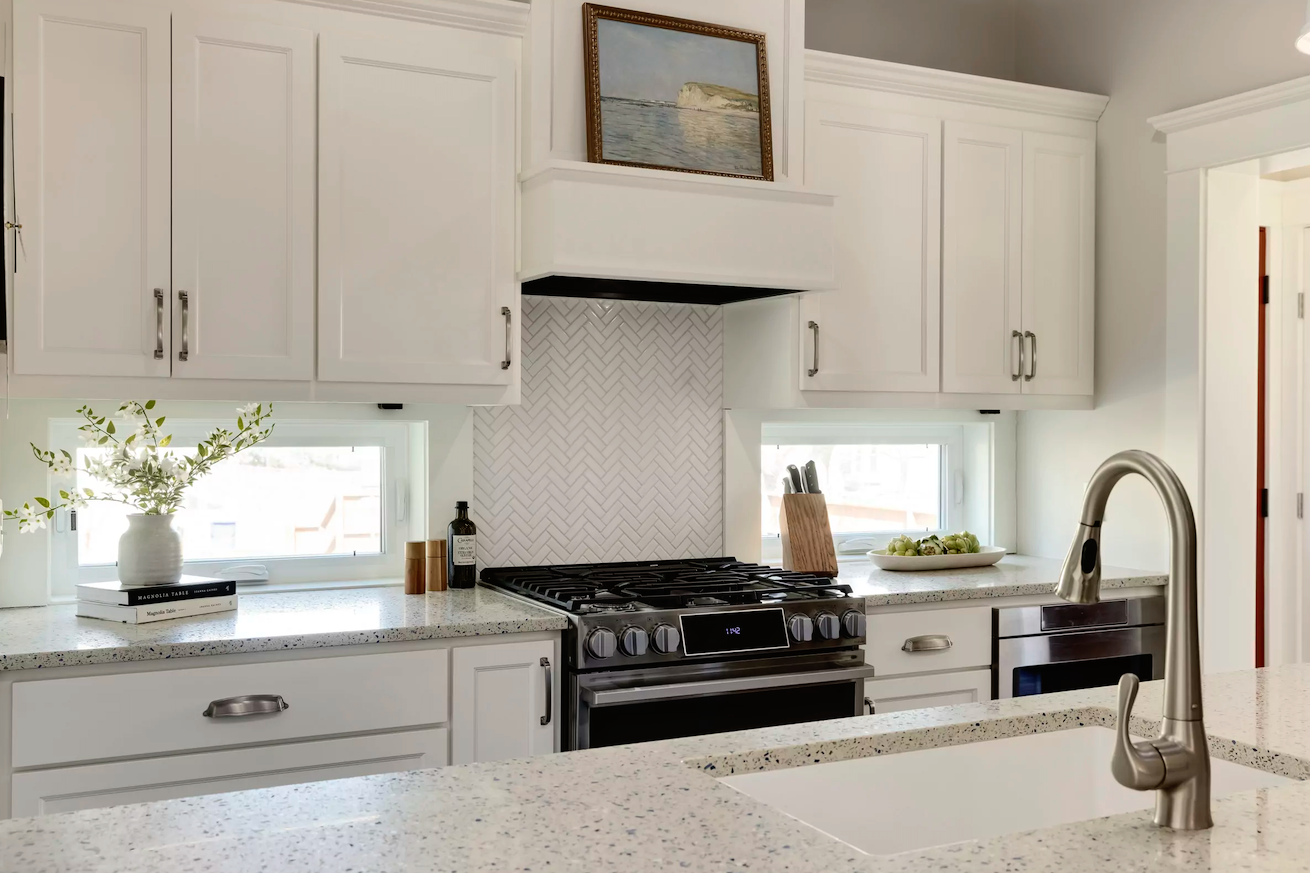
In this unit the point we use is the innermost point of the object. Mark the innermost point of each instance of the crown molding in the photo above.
(944, 85)
(1225, 108)
(505, 17)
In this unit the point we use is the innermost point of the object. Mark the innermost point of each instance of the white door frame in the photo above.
(1257, 124)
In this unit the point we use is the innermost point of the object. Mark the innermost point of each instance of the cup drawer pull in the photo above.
(927, 643)
(246, 704)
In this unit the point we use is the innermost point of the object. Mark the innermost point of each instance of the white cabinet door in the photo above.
(416, 211)
(504, 702)
(1059, 237)
(91, 94)
(982, 226)
(934, 689)
(880, 329)
(243, 199)
(66, 789)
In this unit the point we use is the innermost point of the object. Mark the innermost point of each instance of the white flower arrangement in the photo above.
(139, 470)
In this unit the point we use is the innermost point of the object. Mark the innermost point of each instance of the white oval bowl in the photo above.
(987, 556)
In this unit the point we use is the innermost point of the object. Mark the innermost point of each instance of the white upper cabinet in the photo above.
(965, 249)
(982, 229)
(880, 329)
(91, 106)
(416, 211)
(1059, 233)
(243, 199)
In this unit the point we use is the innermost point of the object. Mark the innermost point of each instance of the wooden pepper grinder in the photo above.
(415, 572)
(436, 565)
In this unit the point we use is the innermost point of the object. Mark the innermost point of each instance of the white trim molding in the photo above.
(505, 17)
(1225, 108)
(957, 87)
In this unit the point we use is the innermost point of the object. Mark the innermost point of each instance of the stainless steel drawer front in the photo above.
(1022, 621)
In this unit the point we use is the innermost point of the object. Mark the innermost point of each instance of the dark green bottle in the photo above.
(462, 549)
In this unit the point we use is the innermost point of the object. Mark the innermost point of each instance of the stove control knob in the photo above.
(601, 643)
(633, 641)
(853, 623)
(801, 627)
(666, 639)
(828, 626)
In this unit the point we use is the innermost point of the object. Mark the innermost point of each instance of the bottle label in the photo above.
(464, 550)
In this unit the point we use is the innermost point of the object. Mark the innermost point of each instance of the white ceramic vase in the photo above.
(150, 552)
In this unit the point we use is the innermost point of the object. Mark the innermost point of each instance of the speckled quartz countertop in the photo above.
(659, 806)
(53, 636)
(1014, 576)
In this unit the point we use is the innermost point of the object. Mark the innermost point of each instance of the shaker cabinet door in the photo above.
(504, 701)
(91, 155)
(416, 212)
(243, 199)
(1059, 237)
(880, 329)
(982, 226)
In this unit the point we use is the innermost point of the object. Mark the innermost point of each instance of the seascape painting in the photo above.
(677, 99)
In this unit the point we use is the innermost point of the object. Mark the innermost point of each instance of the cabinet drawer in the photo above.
(969, 631)
(137, 714)
(66, 789)
(920, 692)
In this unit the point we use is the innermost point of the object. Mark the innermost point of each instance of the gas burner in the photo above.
(590, 589)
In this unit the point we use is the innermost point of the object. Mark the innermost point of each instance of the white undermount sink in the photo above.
(914, 800)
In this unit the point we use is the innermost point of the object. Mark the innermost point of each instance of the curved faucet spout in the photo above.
(1183, 801)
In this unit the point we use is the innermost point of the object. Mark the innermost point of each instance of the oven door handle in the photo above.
(615, 696)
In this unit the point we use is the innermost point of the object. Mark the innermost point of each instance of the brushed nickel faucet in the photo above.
(1177, 763)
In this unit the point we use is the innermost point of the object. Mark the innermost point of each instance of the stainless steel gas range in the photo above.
(661, 649)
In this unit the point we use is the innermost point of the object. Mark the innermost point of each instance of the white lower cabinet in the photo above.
(929, 657)
(336, 716)
(934, 689)
(66, 789)
(504, 702)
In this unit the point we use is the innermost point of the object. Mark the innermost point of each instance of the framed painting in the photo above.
(674, 94)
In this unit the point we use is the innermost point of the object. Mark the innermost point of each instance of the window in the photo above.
(310, 504)
(878, 480)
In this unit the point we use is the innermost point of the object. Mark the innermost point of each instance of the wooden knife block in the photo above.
(806, 535)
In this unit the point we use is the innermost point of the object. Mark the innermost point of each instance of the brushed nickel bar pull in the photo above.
(1014, 334)
(814, 370)
(545, 663)
(185, 351)
(246, 705)
(1032, 359)
(927, 643)
(159, 324)
(504, 365)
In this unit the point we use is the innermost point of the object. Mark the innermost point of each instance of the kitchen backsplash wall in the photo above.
(616, 453)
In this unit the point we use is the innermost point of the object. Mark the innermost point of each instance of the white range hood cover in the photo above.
(653, 227)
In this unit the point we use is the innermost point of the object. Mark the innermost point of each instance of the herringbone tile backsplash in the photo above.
(616, 453)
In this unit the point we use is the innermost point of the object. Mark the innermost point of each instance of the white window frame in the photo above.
(949, 436)
(393, 437)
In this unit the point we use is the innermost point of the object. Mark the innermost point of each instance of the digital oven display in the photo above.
(720, 633)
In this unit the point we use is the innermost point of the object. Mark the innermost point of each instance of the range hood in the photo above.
(628, 233)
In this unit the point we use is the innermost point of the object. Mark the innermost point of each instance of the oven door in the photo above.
(611, 708)
(1085, 659)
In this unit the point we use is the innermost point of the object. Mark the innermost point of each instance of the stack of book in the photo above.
(190, 595)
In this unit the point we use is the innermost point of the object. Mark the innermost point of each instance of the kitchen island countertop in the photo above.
(1013, 576)
(659, 807)
(53, 636)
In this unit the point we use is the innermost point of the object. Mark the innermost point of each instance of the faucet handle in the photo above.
(1134, 765)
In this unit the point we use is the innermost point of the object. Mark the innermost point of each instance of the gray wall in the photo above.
(967, 36)
(1150, 56)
